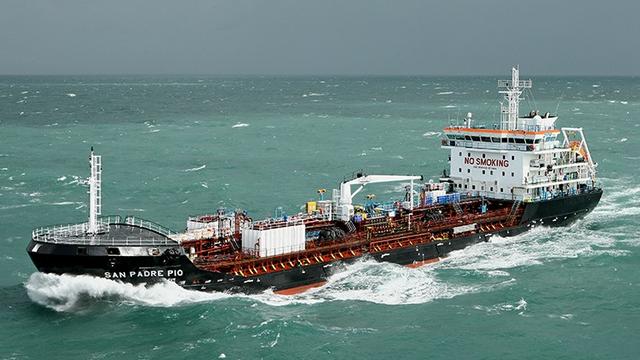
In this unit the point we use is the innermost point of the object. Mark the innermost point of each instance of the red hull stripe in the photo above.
(423, 262)
(299, 289)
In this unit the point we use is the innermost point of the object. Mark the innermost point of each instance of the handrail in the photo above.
(147, 224)
(77, 233)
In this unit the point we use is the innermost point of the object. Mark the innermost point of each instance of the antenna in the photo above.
(95, 192)
(514, 88)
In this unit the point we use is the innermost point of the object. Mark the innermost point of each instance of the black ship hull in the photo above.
(145, 264)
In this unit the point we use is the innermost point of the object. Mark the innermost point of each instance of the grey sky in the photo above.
(319, 37)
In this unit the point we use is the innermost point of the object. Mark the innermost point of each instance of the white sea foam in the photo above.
(445, 93)
(65, 292)
(70, 94)
(195, 168)
(383, 283)
(239, 125)
(431, 133)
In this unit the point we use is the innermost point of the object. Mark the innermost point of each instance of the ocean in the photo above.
(175, 146)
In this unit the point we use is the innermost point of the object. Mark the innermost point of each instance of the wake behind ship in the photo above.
(504, 179)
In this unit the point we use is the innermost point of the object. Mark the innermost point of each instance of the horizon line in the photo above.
(312, 75)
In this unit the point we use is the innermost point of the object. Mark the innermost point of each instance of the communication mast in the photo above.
(514, 88)
(95, 191)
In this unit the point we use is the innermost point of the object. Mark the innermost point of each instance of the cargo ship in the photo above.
(503, 180)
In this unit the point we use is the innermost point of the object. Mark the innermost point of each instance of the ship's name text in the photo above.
(168, 273)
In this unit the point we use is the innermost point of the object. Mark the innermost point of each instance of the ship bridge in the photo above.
(522, 157)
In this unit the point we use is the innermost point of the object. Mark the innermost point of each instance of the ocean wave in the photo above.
(381, 283)
(67, 292)
(431, 133)
(195, 168)
(240, 125)
(365, 280)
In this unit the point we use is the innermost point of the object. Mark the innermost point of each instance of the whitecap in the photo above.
(430, 133)
(70, 94)
(195, 168)
(445, 93)
(239, 125)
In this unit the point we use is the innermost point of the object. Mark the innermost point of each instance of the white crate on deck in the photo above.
(276, 241)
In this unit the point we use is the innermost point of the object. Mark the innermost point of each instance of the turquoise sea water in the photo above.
(174, 146)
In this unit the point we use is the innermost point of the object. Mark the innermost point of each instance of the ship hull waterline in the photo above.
(171, 263)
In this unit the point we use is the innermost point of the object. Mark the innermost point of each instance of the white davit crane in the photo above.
(345, 205)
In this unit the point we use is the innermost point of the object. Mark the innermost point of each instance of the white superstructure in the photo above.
(522, 157)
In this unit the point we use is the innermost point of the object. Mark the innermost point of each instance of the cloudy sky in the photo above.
(453, 37)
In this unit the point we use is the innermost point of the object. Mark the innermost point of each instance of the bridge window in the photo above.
(475, 138)
(467, 137)
(486, 139)
(511, 140)
(519, 141)
(504, 140)
(495, 140)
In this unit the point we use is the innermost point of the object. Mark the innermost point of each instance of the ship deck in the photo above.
(113, 231)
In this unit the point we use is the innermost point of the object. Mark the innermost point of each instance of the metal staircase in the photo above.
(457, 208)
(350, 226)
(514, 211)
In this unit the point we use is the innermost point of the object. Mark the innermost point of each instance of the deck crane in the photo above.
(345, 203)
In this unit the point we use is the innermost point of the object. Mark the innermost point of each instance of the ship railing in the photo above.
(78, 233)
(150, 225)
(108, 242)
(66, 230)
(277, 223)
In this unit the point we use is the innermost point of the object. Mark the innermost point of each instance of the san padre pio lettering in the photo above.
(490, 163)
(168, 273)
